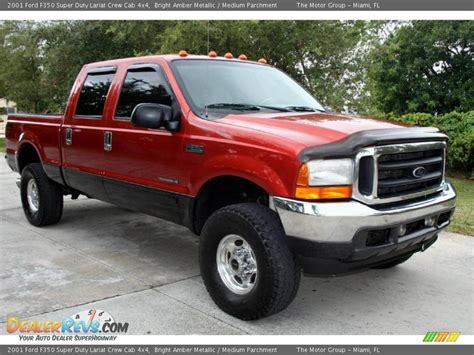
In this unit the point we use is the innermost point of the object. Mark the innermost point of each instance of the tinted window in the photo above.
(93, 94)
(144, 86)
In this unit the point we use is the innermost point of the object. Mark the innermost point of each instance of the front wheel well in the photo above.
(224, 191)
(27, 155)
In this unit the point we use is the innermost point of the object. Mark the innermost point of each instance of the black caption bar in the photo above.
(239, 349)
(236, 5)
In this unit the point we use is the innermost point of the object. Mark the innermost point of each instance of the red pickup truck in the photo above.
(243, 156)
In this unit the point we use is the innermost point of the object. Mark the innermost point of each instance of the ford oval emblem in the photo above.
(419, 172)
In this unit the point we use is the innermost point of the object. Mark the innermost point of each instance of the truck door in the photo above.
(143, 168)
(83, 132)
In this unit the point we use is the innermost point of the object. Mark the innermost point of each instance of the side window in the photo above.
(93, 94)
(142, 86)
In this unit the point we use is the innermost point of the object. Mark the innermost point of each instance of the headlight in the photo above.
(330, 172)
(325, 179)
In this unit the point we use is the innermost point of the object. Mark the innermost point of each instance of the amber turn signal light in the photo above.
(305, 192)
(303, 176)
(323, 192)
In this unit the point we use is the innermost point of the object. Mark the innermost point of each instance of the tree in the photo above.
(40, 60)
(426, 66)
(71, 44)
(21, 70)
(325, 56)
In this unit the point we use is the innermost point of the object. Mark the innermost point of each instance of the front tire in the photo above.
(41, 197)
(245, 262)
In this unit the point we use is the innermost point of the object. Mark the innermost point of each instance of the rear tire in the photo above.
(245, 262)
(392, 263)
(41, 197)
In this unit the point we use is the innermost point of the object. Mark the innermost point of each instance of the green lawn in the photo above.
(2, 145)
(463, 221)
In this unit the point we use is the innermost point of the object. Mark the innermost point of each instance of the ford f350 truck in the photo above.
(245, 158)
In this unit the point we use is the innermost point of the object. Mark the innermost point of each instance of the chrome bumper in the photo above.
(338, 222)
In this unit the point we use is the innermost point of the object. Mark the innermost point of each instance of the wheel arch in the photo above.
(223, 190)
(27, 154)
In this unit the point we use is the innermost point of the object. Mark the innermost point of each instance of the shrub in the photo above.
(459, 126)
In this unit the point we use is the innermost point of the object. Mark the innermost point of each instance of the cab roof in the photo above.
(167, 57)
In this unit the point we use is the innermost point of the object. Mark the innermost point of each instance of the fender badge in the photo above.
(194, 148)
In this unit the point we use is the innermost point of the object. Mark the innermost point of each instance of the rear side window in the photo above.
(142, 86)
(93, 94)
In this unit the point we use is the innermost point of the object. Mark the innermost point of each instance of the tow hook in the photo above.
(18, 182)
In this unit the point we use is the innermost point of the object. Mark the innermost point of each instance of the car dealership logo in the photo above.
(86, 322)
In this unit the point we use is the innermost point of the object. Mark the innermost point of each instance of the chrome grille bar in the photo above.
(369, 186)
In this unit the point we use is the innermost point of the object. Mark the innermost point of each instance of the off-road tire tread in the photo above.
(51, 196)
(286, 270)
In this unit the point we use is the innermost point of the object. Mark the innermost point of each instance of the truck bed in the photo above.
(41, 130)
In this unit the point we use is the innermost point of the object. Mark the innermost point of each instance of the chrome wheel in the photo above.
(236, 264)
(32, 194)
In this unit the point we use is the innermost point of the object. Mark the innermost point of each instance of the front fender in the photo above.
(249, 168)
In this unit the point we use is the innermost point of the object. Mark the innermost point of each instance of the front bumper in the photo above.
(338, 237)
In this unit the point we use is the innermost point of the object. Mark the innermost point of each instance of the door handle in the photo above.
(108, 141)
(68, 136)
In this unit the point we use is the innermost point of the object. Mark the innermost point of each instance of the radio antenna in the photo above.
(207, 71)
(208, 31)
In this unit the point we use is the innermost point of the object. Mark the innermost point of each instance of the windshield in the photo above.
(220, 86)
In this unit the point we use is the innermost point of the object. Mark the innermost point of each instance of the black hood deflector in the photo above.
(350, 145)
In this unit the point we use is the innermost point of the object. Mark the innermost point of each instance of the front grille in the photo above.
(391, 173)
(406, 173)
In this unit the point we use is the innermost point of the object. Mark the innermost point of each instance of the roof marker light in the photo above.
(242, 57)
(262, 61)
(228, 55)
(183, 53)
(212, 54)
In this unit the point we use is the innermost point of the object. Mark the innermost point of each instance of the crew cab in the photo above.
(243, 156)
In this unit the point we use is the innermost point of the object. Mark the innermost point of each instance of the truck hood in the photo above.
(307, 129)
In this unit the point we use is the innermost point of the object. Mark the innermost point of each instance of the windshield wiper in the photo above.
(276, 108)
(303, 109)
(244, 107)
(232, 106)
(252, 107)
